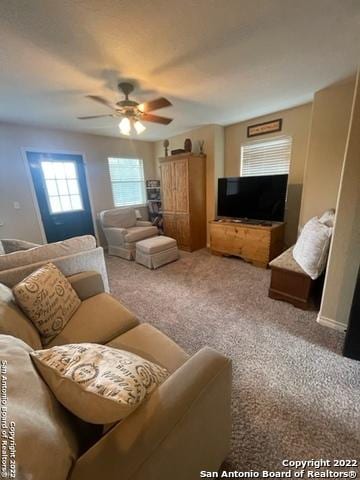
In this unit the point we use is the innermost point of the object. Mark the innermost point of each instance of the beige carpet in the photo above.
(294, 395)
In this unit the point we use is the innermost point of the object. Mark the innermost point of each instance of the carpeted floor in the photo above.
(294, 395)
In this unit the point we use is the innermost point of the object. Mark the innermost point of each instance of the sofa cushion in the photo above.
(99, 319)
(14, 322)
(148, 342)
(39, 419)
(47, 252)
(156, 244)
(48, 299)
(118, 217)
(14, 245)
(134, 234)
(312, 247)
(99, 384)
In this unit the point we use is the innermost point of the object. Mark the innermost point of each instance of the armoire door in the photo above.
(181, 186)
(183, 234)
(168, 187)
(170, 229)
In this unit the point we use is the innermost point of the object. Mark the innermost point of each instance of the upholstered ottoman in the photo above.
(156, 251)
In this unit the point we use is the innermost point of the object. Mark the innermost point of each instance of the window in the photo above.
(127, 181)
(62, 186)
(271, 157)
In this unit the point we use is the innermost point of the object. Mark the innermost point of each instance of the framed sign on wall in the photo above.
(265, 127)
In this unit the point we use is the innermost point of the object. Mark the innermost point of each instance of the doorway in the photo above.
(61, 190)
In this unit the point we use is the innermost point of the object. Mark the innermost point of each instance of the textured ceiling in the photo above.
(218, 61)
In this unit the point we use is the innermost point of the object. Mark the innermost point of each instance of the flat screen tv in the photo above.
(253, 198)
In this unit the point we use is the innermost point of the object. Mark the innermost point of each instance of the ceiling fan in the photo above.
(131, 112)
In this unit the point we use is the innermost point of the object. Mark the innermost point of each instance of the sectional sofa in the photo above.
(182, 428)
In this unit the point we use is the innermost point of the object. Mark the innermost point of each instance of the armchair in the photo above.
(122, 230)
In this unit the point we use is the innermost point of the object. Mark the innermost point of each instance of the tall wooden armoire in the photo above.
(183, 196)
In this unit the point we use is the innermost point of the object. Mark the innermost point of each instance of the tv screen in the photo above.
(255, 198)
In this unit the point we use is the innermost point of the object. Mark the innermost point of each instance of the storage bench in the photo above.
(290, 283)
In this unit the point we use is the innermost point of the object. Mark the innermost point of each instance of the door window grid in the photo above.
(62, 186)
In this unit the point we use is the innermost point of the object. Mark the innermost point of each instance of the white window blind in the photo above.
(271, 157)
(127, 181)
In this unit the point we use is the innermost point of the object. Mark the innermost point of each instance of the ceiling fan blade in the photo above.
(101, 100)
(96, 116)
(154, 104)
(148, 117)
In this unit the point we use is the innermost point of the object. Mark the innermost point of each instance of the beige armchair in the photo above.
(182, 428)
(122, 230)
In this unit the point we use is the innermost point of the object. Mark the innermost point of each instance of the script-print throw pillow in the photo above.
(98, 384)
(48, 299)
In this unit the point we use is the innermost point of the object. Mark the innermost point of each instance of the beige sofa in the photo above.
(184, 427)
(122, 231)
(74, 255)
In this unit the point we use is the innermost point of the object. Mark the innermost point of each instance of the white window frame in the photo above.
(263, 141)
(142, 182)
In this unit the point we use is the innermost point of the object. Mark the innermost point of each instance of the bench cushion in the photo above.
(156, 244)
(286, 261)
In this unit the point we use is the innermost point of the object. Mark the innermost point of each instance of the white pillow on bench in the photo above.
(312, 247)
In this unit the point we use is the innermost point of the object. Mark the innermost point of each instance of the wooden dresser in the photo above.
(183, 196)
(257, 244)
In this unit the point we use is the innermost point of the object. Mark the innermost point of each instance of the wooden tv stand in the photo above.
(257, 244)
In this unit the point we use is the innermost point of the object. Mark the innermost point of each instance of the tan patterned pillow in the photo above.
(48, 299)
(97, 383)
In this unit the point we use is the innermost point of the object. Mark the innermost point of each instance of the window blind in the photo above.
(271, 157)
(127, 181)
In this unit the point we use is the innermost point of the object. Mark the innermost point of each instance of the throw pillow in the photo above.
(312, 247)
(11, 245)
(97, 383)
(328, 218)
(48, 299)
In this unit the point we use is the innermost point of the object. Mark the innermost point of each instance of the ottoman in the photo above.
(156, 251)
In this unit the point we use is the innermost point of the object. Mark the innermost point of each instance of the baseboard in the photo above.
(329, 322)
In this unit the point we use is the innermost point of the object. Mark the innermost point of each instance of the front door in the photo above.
(60, 186)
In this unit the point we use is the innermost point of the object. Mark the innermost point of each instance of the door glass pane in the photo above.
(70, 171)
(59, 170)
(55, 204)
(62, 186)
(65, 203)
(76, 202)
(48, 169)
(73, 187)
(51, 187)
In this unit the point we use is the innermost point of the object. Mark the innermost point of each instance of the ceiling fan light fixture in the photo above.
(139, 127)
(131, 112)
(125, 126)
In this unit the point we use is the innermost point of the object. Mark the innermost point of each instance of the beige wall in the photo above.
(329, 128)
(213, 136)
(15, 184)
(344, 257)
(296, 123)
